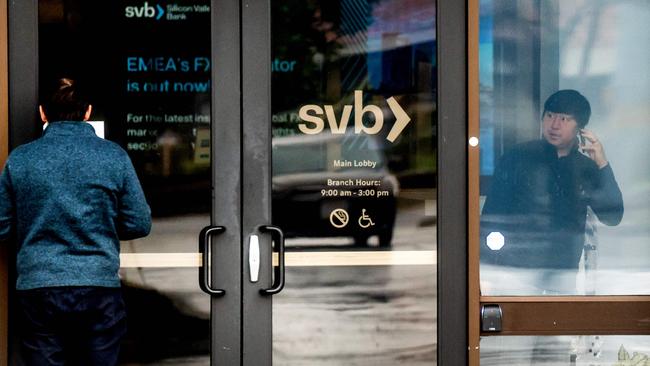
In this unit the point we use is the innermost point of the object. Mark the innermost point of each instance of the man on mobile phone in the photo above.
(533, 220)
(68, 198)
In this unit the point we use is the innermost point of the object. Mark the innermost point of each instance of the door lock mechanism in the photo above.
(491, 318)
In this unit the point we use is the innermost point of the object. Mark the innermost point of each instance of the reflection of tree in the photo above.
(592, 11)
(304, 31)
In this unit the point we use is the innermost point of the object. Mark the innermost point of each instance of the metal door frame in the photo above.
(226, 111)
(256, 174)
(452, 183)
(22, 97)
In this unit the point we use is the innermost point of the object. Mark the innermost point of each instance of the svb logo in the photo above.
(313, 123)
(144, 11)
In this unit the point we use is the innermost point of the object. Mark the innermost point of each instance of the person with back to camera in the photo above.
(68, 198)
(535, 210)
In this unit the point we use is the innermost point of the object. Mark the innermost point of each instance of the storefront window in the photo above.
(565, 188)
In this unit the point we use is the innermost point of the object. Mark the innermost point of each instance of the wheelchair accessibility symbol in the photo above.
(364, 220)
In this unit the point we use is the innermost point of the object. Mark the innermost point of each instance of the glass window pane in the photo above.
(356, 316)
(146, 67)
(565, 350)
(565, 183)
(354, 183)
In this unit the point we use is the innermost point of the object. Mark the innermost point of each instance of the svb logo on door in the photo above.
(314, 123)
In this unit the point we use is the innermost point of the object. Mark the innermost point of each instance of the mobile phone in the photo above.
(581, 143)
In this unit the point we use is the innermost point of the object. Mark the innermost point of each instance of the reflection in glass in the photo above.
(379, 315)
(354, 151)
(351, 69)
(565, 350)
(334, 172)
(147, 68)
(553, 186)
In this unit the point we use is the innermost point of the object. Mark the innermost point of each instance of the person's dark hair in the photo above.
(64, 101)
(571, 102)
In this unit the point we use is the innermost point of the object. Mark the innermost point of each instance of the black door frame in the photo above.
(240, 43)
(23, 98)
(257, 343)
(226, 130)
(23, 71)
(452, 183)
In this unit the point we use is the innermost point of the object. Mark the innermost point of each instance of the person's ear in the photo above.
(42, 112)
(578, 129)
(88, 112)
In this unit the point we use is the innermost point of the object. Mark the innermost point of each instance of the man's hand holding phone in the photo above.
(594, 149)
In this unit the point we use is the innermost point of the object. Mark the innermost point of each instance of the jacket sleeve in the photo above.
(7, 205)
(606, 198)
(134, 217)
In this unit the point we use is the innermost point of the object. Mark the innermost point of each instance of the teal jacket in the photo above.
(70, 197)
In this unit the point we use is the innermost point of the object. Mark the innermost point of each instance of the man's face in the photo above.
(559, 129)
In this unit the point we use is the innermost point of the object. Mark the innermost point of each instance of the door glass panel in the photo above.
(565, 350)
(354, 181)
(146, 67)
(558, 218)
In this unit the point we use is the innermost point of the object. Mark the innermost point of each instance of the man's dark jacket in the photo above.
(538, 202)
(70, 197)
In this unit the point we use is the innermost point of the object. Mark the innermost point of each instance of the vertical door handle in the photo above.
(278, 281)
(254, 257)
(204, 249)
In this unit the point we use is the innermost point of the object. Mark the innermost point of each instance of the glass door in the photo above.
(342, 159)
(150, 70)
(560, 189)
(354, 175)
